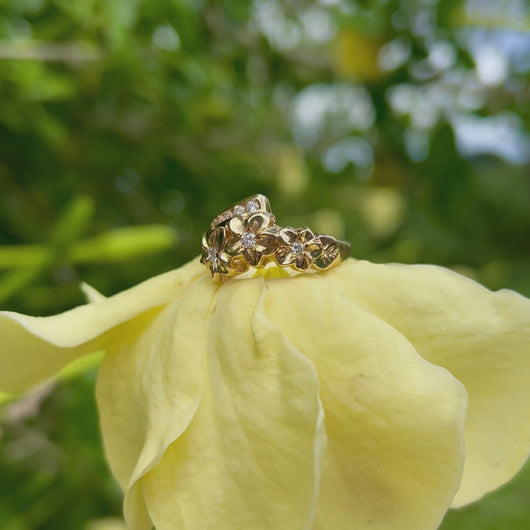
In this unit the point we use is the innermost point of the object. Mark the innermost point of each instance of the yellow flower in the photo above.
(366, 397)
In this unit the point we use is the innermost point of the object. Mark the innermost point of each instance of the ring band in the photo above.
(246, 235)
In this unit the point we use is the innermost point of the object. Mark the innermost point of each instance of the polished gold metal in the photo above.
(246, 235)
(256, 203)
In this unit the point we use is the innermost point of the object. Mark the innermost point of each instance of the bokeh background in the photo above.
(125, 126)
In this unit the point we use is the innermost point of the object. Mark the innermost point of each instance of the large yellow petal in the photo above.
(394, 422)
(149, 382)
(250, 458)
(35, 348)
(482, 338)
(134, 509)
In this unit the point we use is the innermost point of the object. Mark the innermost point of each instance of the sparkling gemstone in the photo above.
(239, 210)
(212, 255)
(248, 240)
(252, 206)
(297, 249)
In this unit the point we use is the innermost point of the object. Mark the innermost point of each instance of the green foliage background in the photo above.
(125, 126)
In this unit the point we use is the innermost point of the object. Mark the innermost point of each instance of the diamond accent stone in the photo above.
(252, 206)
(248, 240)
(212, 255)
(297, 249)
(239, 210)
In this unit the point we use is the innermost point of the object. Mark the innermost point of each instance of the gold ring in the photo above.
(246, 235)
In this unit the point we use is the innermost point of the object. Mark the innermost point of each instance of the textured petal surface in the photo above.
(394, 422)
(250, 457)
(35, 348)
(482, 338)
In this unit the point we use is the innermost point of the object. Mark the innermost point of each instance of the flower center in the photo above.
(248, 240)
(297, 249)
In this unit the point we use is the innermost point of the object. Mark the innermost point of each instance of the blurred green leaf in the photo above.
(124, 243)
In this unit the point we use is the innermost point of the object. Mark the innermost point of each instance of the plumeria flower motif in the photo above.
(330, 251)
(213, 251)
(251, 237)
(364, 397)
(298, 247)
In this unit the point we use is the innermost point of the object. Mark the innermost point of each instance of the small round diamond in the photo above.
(212, 255)
(248, 240)
(297, 249)
(239, 210)
(252, 206)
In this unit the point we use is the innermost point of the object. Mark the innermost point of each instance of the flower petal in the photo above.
(288, 235)
(481, 337)
(252, 256)
(394, 422)
(35, 348)
(303, 261)
(134, 509)
(149, 382)
(233, 245)
(266, 244)
(258, 222)
(217, 237)
(205, 244)
(92, 295)
(285, 256)
(237, 225)
(329, 253)
(250, 457)
(305, 235)
(314, 250)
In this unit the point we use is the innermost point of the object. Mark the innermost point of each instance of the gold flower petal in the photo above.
(252, 256)
(237, 225)
(258, 222)
(266, 244)
(305, 235)
(303, 261)
(217, 238)
(329, 253)
(314, 249)
(288, 235)
(233, 245)
(284, 256)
